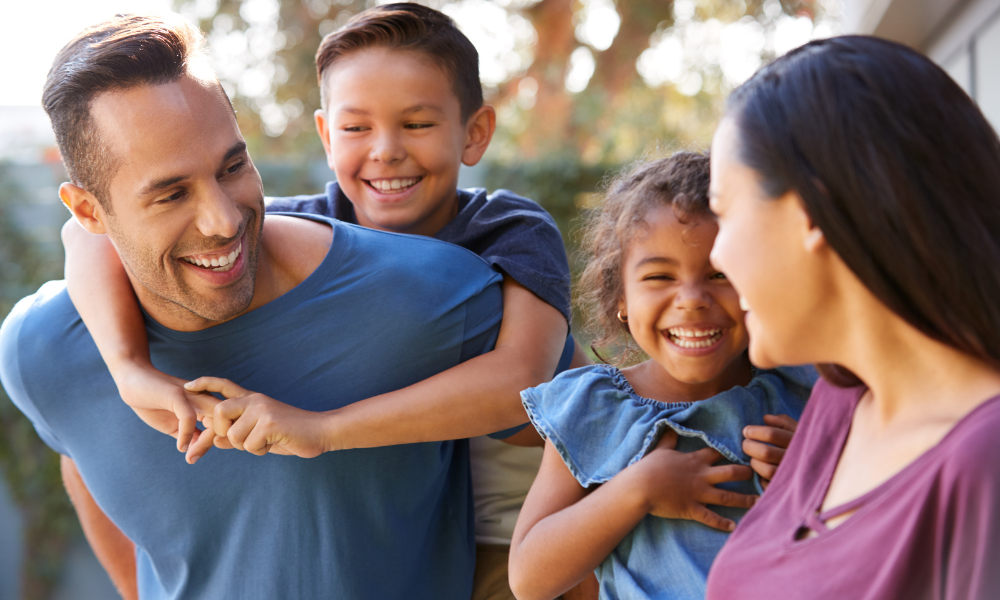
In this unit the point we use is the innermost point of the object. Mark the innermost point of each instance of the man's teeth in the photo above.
(743, 304)
(694, 338)
(390, 185)
(216, 263)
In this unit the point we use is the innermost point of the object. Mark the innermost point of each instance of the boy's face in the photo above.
(394, 136)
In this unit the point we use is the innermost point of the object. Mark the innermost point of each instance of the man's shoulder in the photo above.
(49, 308)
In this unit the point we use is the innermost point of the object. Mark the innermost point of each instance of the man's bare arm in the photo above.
(115, 551)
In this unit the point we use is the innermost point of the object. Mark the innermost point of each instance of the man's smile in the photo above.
(219, 262)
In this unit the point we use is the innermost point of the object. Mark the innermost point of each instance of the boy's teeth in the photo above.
(387, 185)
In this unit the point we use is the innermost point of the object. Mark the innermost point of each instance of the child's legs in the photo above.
(490, 581)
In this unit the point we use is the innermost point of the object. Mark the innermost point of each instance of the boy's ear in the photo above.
(479, 132)
(323, 129)
(85, 207)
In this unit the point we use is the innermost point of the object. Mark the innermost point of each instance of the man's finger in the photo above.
(222, 443)
(203, 404)
(240, 430)
(256, 441)
(712, 519)
(764, 452)
(200, 444)
(216, 385)
(226, 413)
(724, 473)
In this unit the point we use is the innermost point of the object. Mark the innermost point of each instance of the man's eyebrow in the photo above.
(159, 184)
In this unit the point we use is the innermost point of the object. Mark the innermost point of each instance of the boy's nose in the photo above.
(388, 149)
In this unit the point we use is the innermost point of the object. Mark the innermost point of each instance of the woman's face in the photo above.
(767, 247)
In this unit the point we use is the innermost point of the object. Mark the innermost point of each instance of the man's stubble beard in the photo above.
(169, 288)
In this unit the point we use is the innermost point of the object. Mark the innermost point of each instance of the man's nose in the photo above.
(218, 213)
(388, 148)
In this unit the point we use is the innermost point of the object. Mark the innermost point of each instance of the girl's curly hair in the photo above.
(679, 181)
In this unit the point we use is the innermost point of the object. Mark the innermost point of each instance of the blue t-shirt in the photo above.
(512, 233)
(600, 425)
(382, 311)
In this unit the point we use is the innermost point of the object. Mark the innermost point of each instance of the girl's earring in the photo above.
(621, 318)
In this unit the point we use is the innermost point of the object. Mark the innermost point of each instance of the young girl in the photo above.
(628, 465)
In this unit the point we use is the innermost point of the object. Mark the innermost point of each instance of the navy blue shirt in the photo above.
(512, 233)
(381, 312)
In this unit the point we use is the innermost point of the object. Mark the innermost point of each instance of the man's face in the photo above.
(394, 136)
(186, 201)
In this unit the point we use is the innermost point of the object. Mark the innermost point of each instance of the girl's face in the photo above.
(769, 249)
(681, 310)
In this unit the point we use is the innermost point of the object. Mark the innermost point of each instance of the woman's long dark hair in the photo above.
(898, 168)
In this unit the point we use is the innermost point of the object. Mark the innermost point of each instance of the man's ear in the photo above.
(479, 132)
(85, 207)
(323, 129)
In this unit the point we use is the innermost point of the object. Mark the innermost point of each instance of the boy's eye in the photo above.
(418, 125)
(354, 128)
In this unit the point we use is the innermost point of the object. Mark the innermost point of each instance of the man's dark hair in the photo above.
(407, 26)
(900, 171)
(116, 55)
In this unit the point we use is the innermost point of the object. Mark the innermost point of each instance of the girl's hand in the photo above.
(259, 424)
(766, 444)
(162, 403)
(679, 485)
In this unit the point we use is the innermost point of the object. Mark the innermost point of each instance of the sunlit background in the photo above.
(581, 88)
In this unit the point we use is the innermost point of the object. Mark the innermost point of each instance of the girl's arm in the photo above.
(564, 531)
(102, 293)
(477, 397)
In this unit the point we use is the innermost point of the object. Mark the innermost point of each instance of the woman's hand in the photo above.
(766, 444)
(679, 485)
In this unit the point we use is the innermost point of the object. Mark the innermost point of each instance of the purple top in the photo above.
(932, 531)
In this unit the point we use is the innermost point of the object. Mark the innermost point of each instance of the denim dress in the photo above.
(600, 425)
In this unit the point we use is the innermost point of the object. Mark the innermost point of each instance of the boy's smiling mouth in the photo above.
(396, 185)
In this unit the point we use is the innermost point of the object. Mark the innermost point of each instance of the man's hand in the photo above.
(162, 403)
(259, 424)
(679, 485)
(766, 444)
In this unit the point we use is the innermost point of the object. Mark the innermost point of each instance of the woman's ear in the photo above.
(813, 239)
(85, 207)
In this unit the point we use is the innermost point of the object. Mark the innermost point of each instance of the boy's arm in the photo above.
(102, 294)
(115, 552)
(477, 397)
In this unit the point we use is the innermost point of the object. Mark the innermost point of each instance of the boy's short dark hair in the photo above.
(408, 26)
(119, 54)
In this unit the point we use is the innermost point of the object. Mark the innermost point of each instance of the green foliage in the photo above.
(30, 467)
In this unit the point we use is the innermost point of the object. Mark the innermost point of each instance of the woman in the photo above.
(858, 194)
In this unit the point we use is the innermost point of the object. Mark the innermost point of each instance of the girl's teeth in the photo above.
(694, 338)
(743, 304)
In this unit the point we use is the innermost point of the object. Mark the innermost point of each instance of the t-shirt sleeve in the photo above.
(519, 238)
(12, 378)
(972, 514)
(598, 428)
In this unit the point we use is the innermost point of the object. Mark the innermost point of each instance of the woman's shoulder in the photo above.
(969, 454)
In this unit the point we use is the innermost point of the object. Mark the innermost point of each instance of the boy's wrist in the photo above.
(334, 437)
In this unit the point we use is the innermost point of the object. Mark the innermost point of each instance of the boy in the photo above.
(402, 110)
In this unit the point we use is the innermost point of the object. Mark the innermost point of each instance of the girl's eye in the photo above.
(721, 276)
(658, 277)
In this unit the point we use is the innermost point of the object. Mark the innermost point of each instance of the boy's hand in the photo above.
(679, 485)
(162, 403)
(260, 424)
(766, 444)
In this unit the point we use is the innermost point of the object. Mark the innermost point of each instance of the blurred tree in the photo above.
(30, 467)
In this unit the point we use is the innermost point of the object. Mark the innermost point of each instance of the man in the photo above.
(312, 310)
